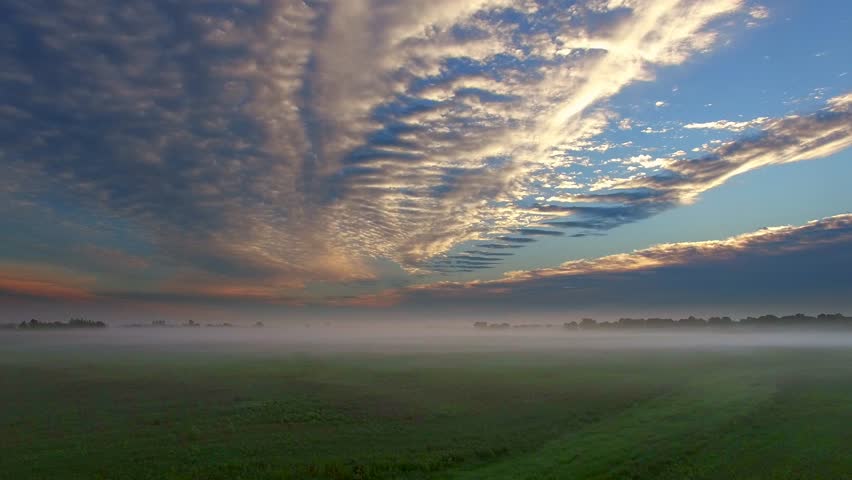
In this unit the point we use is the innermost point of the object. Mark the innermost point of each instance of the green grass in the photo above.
(143, 413)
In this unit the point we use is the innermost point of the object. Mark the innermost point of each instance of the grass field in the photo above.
(97, 410)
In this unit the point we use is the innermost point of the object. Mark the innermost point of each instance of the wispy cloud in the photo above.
(784, 140)
(663, 183)
(308, 139)
(43, 282)
(782, 252)
(728, 125)
(258, 148)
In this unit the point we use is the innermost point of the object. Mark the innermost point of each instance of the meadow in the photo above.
(100, 406)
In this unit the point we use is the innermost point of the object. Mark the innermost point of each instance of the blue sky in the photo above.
(302, 155)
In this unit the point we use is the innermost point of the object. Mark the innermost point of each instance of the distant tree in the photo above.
(659, 322)
(691, 321)
(83, 323)
(588, 323)
(833, 320)
(720, 322)
(798, 320)
(765, 320)
(34, 324)
(631, 322)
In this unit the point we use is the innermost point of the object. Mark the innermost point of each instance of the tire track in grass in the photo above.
(641, 442)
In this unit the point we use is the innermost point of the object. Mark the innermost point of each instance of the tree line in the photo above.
(85, 323)
(799, 320)
(188, 323)
(71, 323)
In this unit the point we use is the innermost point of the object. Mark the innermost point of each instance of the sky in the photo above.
(286, 158)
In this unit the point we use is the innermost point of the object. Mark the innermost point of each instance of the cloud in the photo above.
(264, 147)
(315, 137)
(728, 125)
(498, 246)
(656, 185)
(787, 260)
(784, 140)
(767, 241)
(538, 232)
(43, 282)
(759, 12)
(540, 104)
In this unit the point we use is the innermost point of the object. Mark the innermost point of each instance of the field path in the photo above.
(633, 444)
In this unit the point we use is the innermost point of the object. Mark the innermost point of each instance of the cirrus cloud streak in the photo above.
(791, 261)
(280, 140)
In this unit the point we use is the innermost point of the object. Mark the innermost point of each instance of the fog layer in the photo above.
(382, 337)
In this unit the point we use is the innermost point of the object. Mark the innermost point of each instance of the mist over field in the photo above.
(395, 337)
(381, 401)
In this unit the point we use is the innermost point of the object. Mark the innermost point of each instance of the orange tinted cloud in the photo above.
(44, 282)
(768, 241)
